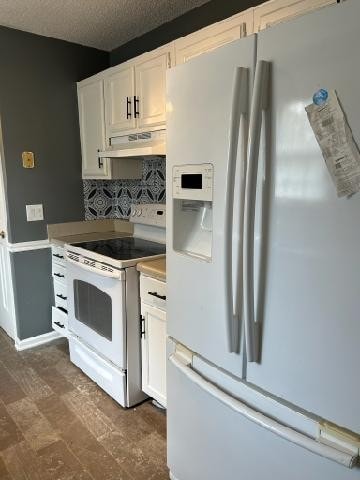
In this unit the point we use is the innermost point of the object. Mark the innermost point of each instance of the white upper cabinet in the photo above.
(131, 98)
(119, 101)
(135, 93)
(214, 36)
(92, 128)
(276, 11)
(151, 90)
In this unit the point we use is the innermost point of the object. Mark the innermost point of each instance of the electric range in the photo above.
(103, 303)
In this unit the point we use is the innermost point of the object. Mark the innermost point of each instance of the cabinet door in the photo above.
(92, 129)
(153, 347)
(213, 37)
(151, 91)
(277, 11)
(119, 101)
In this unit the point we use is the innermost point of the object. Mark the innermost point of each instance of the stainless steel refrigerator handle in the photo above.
(342, 457)
(258, 105)
(238, 109)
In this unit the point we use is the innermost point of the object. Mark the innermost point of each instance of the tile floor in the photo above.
(56, 424)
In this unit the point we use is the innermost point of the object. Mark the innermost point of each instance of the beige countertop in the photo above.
(154, 268)
(88, 237)
(87, 231)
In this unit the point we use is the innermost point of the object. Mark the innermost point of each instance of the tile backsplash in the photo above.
(112, 198)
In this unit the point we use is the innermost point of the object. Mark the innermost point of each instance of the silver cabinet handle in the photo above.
(237, 129)
(258, 105)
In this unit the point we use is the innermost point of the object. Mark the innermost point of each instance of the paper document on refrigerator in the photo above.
(337, 144)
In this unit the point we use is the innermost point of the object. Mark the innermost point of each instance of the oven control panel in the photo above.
(149, 214)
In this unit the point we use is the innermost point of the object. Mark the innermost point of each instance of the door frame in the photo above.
(10, 326)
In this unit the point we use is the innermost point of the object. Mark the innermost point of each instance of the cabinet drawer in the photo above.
(60, 290)
(59, 320)
(58, 255)
(153, 291)
(61, 303)
(59, 273)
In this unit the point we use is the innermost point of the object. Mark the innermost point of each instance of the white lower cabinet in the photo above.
(153, 344)
(59, 315)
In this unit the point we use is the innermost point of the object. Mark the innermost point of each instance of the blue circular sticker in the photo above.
(320, 96)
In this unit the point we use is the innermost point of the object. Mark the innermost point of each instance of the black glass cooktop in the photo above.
(125, 248)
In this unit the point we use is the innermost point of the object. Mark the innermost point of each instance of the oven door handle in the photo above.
(103, 273)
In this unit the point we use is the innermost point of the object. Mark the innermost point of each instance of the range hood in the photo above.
(136, 145)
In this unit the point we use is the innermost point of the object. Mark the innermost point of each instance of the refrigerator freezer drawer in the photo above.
(208, 440)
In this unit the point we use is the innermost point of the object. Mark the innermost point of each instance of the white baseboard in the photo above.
(36, 341)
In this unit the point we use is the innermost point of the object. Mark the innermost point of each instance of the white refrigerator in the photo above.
(263, 260)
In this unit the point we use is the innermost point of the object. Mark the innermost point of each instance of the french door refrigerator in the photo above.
(263, 260)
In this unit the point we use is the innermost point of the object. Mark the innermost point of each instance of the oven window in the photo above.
(93, 308)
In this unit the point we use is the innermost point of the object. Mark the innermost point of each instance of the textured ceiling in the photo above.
(103, 24)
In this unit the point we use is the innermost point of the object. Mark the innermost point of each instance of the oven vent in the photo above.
(144, 136)
(139, 136)
(136, 145)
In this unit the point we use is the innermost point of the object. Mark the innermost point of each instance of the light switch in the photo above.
(28, 159)
(34, 213)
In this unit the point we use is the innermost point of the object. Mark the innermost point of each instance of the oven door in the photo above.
(97, 314)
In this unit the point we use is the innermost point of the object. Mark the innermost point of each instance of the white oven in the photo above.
(104, 303)
(97, 310)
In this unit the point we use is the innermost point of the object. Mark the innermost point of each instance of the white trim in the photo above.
(172, 477)
(35, 341)
(25, 246)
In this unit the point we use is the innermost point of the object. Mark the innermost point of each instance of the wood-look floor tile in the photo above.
(10, 390)
(99, 462)
(61, 464)
(56, 424)
(71, 372)
(4, 474)
(55, 380)
(10, 434)
(153, 416)
(22, 463)
(29, 381)
(93, 419)
(34, 426)
(127, 421)
(80, 441)
(6, 343)
(57, 413)
(143, 460)
(43, 356)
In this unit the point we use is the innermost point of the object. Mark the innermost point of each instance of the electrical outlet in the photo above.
(34, 213)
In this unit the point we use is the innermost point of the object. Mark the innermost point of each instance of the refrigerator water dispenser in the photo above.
(193, 213)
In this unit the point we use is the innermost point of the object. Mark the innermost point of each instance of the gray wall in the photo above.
(38, 108)
(197, 18)
(33, 291)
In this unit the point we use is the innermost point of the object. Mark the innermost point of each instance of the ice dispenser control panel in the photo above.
(193, 182)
